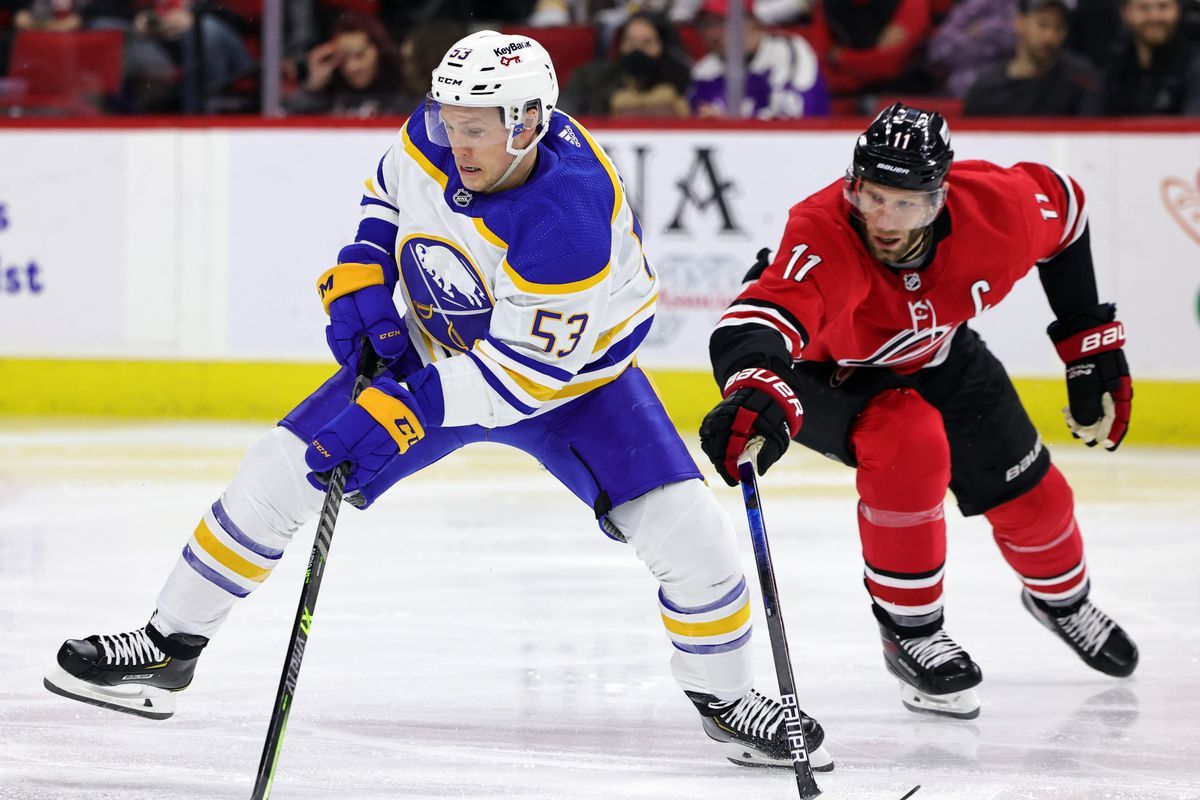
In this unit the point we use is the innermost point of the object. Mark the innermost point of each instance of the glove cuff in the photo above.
(343, 279)
(774, 387)
(1087, 333)
(395, 416)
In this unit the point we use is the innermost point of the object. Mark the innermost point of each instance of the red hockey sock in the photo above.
(903, 472)
(1038, 537)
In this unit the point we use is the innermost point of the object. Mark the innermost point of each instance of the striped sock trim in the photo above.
(717, 627)
(1061, 589)
(211, 575)
(236, 533)
(900, 519)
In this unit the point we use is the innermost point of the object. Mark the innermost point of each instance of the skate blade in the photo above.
(743, 756)
(959, 705)
(140, 700)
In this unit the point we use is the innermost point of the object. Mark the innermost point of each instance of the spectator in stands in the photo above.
(161, 58)
(47, 15)
(647, 76)
(357, 73)
(420, 51)
(1042, 79)
(974, 35)
(169, 24)
(1157, 71)
(768, 12)
(869, 44)
(783, 75)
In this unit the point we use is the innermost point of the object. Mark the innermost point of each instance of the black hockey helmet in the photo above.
(905, 148)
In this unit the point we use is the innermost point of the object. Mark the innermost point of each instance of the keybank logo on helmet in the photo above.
(891, 168)
(512, 48)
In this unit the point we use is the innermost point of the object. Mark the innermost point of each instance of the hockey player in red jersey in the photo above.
(857, 329)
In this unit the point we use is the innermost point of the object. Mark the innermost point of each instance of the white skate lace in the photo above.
(932, 651)
(130, 648)
(755, 715)
(1088, 628)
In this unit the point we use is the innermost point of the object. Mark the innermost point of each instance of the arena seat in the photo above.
(570, 46)
(65, 73)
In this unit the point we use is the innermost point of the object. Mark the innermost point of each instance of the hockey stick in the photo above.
(805, 782)
(367, 365)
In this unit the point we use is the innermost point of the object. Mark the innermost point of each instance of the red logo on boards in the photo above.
(1183, 202)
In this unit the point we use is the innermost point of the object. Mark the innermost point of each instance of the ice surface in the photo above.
(477, 637)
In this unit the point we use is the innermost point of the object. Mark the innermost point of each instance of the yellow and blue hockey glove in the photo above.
(358, 298)
(383, 423)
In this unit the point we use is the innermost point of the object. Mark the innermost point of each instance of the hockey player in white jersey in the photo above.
(498, 270)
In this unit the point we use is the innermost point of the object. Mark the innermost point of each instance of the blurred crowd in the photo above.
(653, 58)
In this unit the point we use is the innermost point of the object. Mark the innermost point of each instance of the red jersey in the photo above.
(831, 300)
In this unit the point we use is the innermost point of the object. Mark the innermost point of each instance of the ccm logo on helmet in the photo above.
(512, 48)
(450, 81)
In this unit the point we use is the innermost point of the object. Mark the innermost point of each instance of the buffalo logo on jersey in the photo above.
(448, 294)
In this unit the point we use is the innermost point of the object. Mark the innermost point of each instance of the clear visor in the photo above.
(465, 126)
(889, 209)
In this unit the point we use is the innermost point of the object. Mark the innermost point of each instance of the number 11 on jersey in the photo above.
(798, 251)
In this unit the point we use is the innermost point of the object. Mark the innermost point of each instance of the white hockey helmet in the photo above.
(495, 70)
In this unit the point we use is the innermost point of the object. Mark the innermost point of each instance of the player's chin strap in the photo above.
(517, 159)
(519, 155)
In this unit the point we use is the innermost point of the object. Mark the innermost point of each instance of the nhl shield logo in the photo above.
(912, 281)
(462, 198)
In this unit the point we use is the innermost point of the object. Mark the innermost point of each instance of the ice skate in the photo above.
(936, 675)
(753, 734)
(128, 672)
(1094, 637)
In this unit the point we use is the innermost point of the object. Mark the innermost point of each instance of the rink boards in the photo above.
(170, 272)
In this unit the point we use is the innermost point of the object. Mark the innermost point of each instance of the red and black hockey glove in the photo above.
(1098, 385)
(757, 403)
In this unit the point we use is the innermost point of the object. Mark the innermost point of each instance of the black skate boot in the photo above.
(136, 672)
(936, 675)
(1090, 632)
(753, 733)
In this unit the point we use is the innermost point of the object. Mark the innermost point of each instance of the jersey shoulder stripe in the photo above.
(430, 158)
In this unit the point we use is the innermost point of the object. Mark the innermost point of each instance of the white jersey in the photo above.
(522, 300)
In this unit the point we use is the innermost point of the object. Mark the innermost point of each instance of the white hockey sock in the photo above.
(687, 541)
(240, 538)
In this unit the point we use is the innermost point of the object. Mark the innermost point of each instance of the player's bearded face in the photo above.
(894, 219)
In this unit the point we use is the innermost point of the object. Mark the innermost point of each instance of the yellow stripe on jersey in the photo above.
(530, 387)
(715, 628)
(576, 389)
(618, 196)
(370, 184)
(488, 234)
(607, 337)
(226, 557)
(530, 287)
(422, 162)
